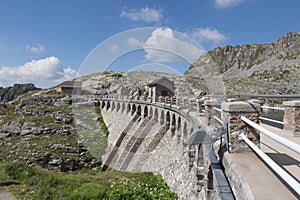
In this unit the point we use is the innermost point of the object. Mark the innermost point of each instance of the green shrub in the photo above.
(20, 172)
(89, 191)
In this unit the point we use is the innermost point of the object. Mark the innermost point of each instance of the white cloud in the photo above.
(227, 3)
(132, 41)
(43, 73)
(35, 49)
(144, 14)
(207, 35)
(163, 46)
(114, 48)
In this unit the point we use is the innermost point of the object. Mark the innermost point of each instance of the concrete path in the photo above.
(283, 156)
(5, 195)
(263, 183)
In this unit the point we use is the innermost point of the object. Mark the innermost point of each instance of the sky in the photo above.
(46, 42)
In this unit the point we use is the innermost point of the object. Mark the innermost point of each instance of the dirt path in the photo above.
(5, 195)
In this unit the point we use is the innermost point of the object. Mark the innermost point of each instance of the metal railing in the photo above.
(281, 140)
(275, 96)
(273, 108)
(271, 120)
(293, 183)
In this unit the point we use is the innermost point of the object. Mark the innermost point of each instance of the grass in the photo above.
(101, 121)
(37, 183)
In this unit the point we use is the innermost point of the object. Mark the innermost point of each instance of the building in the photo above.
(71, 87)
(161, 87)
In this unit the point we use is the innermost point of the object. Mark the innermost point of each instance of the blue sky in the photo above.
(46, 42)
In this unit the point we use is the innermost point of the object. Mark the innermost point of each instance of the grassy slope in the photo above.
(36, 183)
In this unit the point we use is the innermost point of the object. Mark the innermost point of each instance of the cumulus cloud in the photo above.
(144, 14)
(163, 46)
(43, 73)
(207, 35)
(35, 49)
(227, 3)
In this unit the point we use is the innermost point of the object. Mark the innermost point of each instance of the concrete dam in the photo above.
(154, 138)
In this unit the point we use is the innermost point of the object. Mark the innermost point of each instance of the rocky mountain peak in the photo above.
(289, 38)
(274, 66)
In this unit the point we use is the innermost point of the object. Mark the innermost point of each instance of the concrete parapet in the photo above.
(231, 113)
(210, 112)
(192, 103)
(291, 119)
(200, 105)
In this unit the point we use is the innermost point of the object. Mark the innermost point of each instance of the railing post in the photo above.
(192, 103)
(231, 113)
(200, 105)
(291, 118)
(160, 99)
(210, 112)
(178, 100)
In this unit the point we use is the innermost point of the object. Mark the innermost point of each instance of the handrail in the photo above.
(219, 120)
(217, 109)
(294, 184)
(271, 120)
(273, 108)
(289, 144)
(265, 95)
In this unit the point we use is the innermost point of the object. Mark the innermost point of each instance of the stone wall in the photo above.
(291, 118)
(174, 160)
(232, 112)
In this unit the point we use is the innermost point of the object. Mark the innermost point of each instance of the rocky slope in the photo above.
(132, 83)
(255, 68)
(12, 92)
(39, 127)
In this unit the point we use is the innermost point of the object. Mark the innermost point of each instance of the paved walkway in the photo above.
(5, 195)
(264, 184)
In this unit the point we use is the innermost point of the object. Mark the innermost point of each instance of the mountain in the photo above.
(12, 92)
(252, 68)
(132, 83)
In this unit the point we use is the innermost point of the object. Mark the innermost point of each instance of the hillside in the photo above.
(12, 92)
(132, 83)
(252, 68)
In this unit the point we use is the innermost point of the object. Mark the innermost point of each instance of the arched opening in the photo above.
(102, 105)
(146, 111)
(173, 124)
(162, 117)
(168, 120)
(178, 130)
(179, 124)
(184, 133)
(155, 114)
(108, 105)
(151, 112)
(139, 110)
(118, 106)
(133, 109)
(128, 108)
(113, 106)
(122, 107)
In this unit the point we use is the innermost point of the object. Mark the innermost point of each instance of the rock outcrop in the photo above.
(132, 83)
(40, 128)
(255, 68)
(12, 92)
